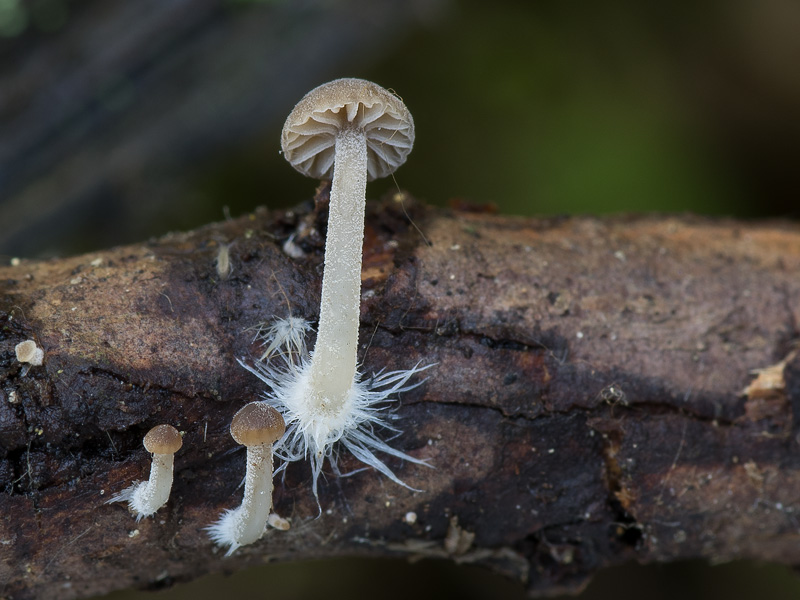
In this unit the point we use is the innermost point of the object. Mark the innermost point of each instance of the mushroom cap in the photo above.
(309, 134)
(163, 439)
(257, 423)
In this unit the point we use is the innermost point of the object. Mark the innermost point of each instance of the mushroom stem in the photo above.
(333, 364)
(249, 520)
(152, 494)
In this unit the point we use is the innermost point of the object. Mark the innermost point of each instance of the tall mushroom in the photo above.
(144, 498)
(352, 131)
(257, 426)
(355, 131)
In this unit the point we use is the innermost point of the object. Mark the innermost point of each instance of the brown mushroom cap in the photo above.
(163, 439)
(309, 133)
(257, 423)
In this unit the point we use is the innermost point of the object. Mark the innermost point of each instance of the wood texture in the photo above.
(589, 404)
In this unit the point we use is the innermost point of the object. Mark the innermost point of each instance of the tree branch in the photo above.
(587, 406)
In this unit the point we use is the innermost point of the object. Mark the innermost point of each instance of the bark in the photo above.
(593, 400)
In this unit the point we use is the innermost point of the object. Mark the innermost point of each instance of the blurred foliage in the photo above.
(542, 111)
(548, 108)
(46, 16)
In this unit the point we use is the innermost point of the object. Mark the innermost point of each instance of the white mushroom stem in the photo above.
(333, 364)
(146, 497)
(150, 495)
(248, 521)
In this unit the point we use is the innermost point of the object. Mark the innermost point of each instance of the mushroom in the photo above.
(29, 352)
(352, 131)
(258, 426)
(144, 498)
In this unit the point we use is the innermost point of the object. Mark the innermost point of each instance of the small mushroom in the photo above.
(258, 426)
(144, 498)
(29, 352)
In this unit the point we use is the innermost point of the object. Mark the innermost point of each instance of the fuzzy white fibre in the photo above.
(144, 498)
(134, 495)
(313, 431)
(223, 532)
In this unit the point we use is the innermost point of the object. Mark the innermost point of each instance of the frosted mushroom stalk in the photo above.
(350, 131)
(333, 364)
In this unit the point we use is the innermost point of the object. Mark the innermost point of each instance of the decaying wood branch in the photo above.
(594, 398)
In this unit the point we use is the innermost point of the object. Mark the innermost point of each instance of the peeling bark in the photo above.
(593, 401)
